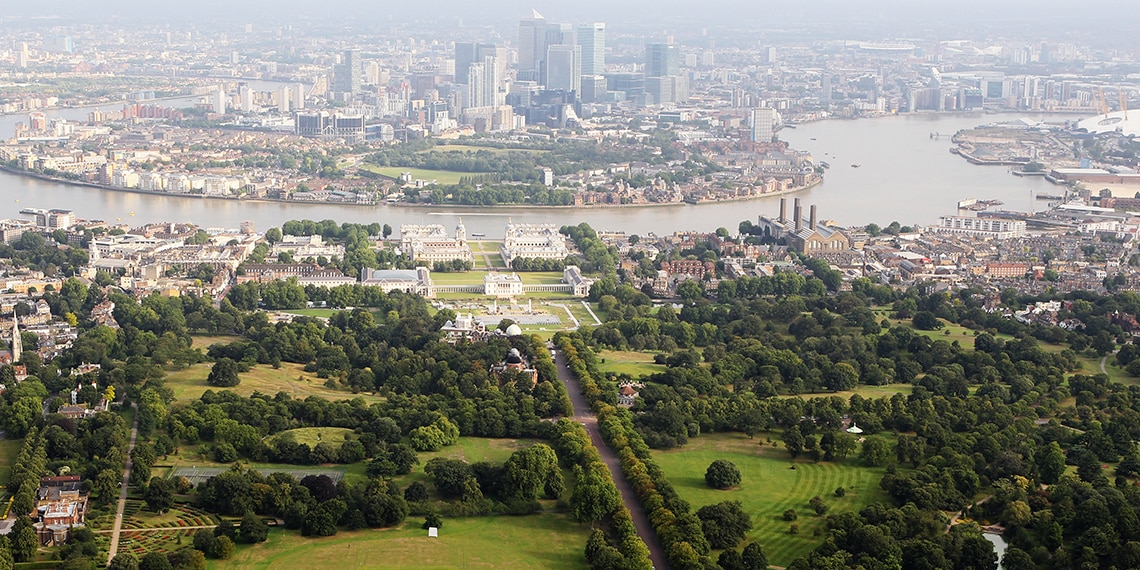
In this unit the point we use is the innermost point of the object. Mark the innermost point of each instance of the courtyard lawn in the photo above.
(769, 487)
(9, 448)
(635, 364)
(541, 277)
(190, 383)
(553, 541)
(458, 277)
(311, 436)
(440, 176)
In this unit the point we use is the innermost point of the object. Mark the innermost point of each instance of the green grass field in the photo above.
(9, 448)
(541, 277)
(440, 176)
(311, 436)
(458, 277)
(863, 390)
(769, 487)
(633, 363)
(204, 341)
(190, 383)
(469, 449)
(553, 541)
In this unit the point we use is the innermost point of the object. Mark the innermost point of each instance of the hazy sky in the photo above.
(1105, 16)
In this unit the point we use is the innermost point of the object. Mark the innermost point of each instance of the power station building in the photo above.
(803, 235)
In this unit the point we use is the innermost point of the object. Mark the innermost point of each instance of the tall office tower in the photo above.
(464, 57)
(564, 68)
(23, 56)
(348, 73)
(468, 53)
(557, 34)
(283, 99)
(298, 96)
(532, 46)
(825, 87)
(662, 60)
(592, 38)
(763, 121)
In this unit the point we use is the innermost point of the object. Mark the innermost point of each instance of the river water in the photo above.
(903, 175)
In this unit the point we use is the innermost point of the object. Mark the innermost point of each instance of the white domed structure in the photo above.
(1119, 122)
(514, 330)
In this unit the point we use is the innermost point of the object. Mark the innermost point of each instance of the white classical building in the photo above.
(536, 241)
(416, 280)
(430, 243)
(502, 285)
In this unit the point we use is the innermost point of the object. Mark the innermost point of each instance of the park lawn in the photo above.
(204, 341)
(445, 177)
(863, 390)
(9, 449)
(553, 541)
(469, 449)
(319, 313)
(769, 487)
(190, 383)
(635, 364)
(311, 436)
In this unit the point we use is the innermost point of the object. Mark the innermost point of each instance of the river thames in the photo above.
(903, 175)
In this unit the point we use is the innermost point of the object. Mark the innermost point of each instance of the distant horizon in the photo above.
(1114, 17)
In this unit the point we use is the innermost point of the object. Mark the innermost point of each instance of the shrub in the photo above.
(790, 515)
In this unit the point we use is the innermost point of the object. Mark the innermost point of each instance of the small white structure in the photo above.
(433, 532)
(854, 429)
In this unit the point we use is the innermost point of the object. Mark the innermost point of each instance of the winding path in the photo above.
(584, 416)
(123, 490)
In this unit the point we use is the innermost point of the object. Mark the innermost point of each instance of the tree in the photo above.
(273, 235)
(875, 452)
(159, 495)
(6, 560)
(416, 492)
(817, 505)
(724, 524)
(754, 557)
(204, 541)
(925, 320)
(155, 561)
(722, 474)
(24, 541)
(690, 290)
(224, 373)
(794, 441)
(730, 560)
(387, 231)
(124, 561)
(253, 529)
(1050, 462)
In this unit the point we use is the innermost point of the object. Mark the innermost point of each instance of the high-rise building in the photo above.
(763, 123)
(532, 46)
(218, 101)
(464, 57)
(245, 95)
(564, 68)
(662, 60)
(283, 99)
(298, 96)
(348, 76)
(592, 38)
(23, 56)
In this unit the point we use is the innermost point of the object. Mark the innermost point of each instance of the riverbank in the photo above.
(609, 206)
(57, 180)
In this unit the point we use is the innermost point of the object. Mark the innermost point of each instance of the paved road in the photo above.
(583, 415)
(123, 492)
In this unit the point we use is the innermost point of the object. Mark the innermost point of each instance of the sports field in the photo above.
(551, 541)
(769, 487)
(190, 383)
